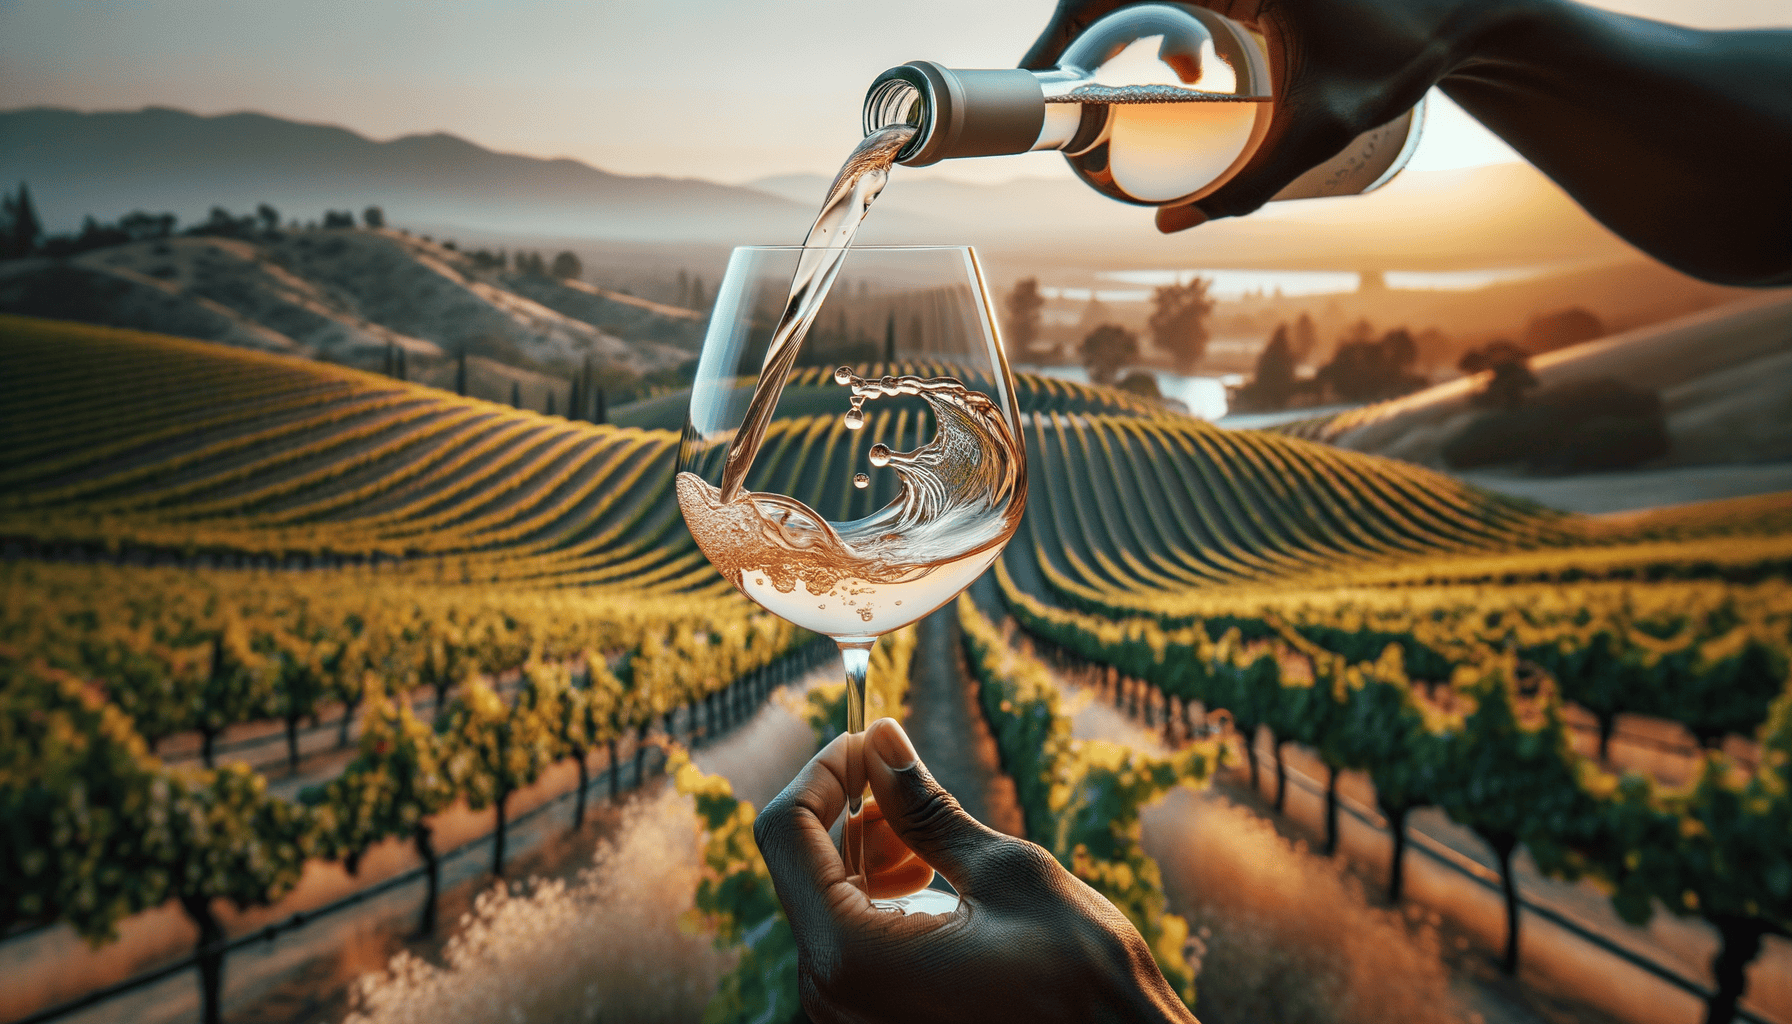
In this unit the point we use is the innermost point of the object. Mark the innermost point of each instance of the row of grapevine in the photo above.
(1709, 655)
(1081, 799)
(181, 651)
(1140, 511)
(98, 829)
(1489, 747)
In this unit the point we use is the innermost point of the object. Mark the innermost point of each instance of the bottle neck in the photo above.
(959, 113)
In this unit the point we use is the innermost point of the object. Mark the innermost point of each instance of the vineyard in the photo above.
(196, 539)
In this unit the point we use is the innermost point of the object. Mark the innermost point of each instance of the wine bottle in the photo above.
(1155, 104)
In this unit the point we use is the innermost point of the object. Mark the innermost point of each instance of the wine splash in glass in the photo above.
(957, 495)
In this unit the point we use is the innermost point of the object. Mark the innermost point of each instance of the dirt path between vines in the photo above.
(949, 731)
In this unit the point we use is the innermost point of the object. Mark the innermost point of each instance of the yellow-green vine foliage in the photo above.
(1081, 798)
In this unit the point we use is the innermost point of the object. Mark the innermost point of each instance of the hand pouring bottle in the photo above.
(1155, 104)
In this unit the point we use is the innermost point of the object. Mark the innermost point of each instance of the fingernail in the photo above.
(893, 747)
(1179, 218)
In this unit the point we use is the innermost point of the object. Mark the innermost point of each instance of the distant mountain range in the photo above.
(156, 159)
(107, 164)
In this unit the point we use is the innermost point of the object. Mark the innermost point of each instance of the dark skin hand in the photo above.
(1028, 942)
(1678, 140)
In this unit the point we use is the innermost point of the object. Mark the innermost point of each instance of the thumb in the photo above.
(923, 815)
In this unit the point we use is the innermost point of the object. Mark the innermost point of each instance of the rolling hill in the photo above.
(1724, 376)
(346, 295)
(122, 440)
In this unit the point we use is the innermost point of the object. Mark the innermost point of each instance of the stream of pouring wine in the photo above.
(824, 251)
(960, 496)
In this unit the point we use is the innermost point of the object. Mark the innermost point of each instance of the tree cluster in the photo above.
(1369, 369)
(1106, 351)
(1582, 426)
(1363, 368)
(690, 293)
(565, 266)
(1021, 320)
(1508, 369)
(1276, 381)
(21, 232)
(19, 227)
(586, 401)
(1547, 332)
(1178, 322)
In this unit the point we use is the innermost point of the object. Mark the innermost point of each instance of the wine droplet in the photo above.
(854, 419)
(861, 481)
(865, 613)
(879, 455)
(843, 375)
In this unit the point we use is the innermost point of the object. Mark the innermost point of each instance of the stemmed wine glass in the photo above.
(891, 473)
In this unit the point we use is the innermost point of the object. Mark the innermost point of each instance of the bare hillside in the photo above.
(1724, 377)
(349, 295)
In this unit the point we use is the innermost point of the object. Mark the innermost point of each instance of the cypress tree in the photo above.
(23, 231)
(460, 375)
(516, 395)
(594, 395)
(603, 412)
(403, 372)
(550, 400)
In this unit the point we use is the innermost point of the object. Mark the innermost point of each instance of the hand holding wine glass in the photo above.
(1030, 942)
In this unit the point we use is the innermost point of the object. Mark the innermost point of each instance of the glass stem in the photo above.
(857, 656)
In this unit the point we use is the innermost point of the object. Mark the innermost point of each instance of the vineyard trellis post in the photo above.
(423, 838)
(1331, 809)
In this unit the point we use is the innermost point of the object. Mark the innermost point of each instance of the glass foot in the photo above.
(927, 901)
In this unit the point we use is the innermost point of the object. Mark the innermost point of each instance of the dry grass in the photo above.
(1286, 937)
(606, 947)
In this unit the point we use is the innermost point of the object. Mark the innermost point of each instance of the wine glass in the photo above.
(890, 473)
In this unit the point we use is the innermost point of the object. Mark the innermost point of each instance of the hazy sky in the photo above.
(729, 90)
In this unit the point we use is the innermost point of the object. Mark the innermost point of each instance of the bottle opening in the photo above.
(894, 102)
